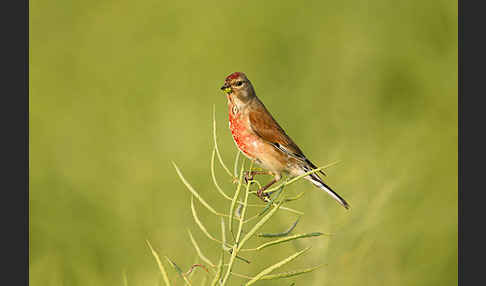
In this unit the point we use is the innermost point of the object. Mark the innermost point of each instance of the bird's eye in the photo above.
(239, 83)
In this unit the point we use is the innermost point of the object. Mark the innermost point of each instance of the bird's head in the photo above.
(237, 84)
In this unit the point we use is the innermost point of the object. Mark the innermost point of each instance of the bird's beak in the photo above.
(226, 88)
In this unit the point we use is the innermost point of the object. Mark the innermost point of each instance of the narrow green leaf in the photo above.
(196, 194)
(213, 175)
(230, 250)
(259, 224)
(241, 275)
(281, 208)
(289, 238)
(178, 270)
(243, 259)
(198, 250)
(282, 233)
(294, 198)
(216, 144)
(223, 238)
(275, 266)
(235, 249)
(159, 263)
(244, 206)
(235, 199)
(223, 233)
(291, 210)
(281, 275)
(235, 167)
(199, 223)
(217, 277)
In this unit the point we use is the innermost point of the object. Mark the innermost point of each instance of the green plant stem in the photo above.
(236, 246)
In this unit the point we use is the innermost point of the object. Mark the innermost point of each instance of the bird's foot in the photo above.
(248, 176)
(264, 196)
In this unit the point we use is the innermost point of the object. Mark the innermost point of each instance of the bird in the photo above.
(260, 138)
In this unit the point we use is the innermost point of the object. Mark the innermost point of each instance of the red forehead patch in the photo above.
(235, 75)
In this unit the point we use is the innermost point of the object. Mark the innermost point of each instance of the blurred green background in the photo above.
(119, 89)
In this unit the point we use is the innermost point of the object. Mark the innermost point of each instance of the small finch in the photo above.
(260, 137)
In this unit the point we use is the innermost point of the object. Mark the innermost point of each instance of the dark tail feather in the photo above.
(314, 178)
(314, 166)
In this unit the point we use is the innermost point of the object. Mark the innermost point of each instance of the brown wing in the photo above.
(265, 126)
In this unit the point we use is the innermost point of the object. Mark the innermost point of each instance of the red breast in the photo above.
(240, 130)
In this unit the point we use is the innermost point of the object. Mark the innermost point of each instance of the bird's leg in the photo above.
(260, 192)
(249, 174)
